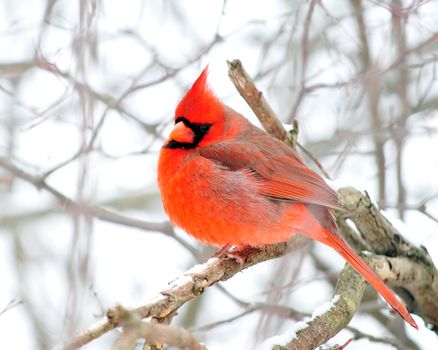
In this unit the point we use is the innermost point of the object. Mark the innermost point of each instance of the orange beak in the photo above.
(182, 133)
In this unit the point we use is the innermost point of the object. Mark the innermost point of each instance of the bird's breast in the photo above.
(215, 205)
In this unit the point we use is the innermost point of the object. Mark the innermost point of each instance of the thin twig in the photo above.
(134, 329)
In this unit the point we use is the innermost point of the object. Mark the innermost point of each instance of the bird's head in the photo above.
(199, 117)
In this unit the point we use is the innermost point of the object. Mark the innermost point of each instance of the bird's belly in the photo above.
(226, 209)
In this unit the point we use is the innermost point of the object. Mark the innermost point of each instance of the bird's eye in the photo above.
(205, 127)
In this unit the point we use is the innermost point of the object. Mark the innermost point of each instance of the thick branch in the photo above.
(350, 288)
(325, 321)
(380, 234)
(318, 329)
(417, 277)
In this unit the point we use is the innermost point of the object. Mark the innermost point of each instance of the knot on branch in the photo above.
(199, 286)
(120, 316)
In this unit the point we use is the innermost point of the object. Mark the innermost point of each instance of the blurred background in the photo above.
(87, 94)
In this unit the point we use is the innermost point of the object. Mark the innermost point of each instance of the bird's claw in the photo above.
(232, 252)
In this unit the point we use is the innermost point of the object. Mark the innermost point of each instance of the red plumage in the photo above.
(225, 181)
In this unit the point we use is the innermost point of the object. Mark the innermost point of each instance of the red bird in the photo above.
(227, 182)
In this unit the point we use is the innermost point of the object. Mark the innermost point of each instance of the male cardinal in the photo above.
(227, 182)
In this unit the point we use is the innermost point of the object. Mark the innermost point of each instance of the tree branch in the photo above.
(256, 100)
(153, 333)
(416, 275)
(327, 320)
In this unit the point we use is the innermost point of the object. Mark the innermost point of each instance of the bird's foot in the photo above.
(233, 252)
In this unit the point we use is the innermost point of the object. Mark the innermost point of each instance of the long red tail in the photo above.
(360, 266)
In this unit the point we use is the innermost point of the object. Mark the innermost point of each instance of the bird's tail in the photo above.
(337, 243)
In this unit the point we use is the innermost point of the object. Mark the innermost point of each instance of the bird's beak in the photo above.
(182, 133)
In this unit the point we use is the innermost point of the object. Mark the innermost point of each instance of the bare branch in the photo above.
(256, 100)
(134, 328)
(327, 320)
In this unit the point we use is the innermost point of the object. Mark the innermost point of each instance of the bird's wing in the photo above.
(279, 175)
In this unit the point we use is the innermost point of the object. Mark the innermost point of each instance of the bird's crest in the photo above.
(200, 104)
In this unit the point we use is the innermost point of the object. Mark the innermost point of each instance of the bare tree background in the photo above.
(87, 92)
